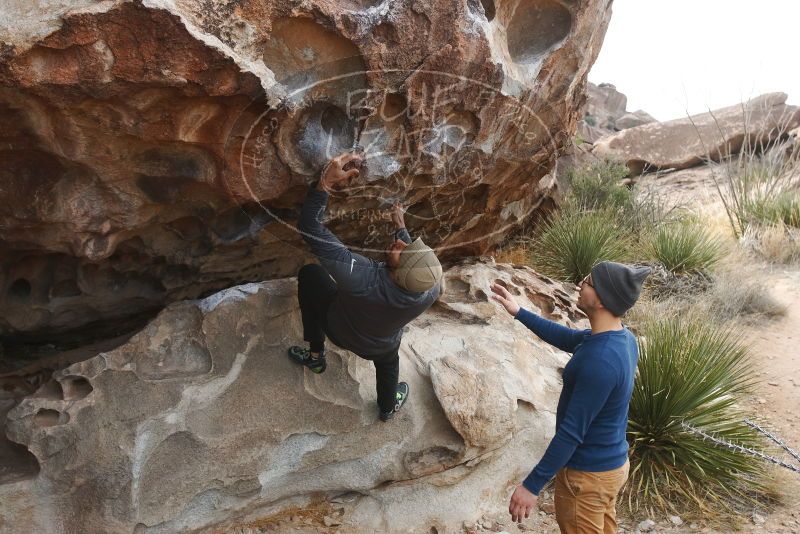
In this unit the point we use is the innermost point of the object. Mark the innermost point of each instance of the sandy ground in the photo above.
(775, 348)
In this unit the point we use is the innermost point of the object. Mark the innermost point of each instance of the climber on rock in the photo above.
(361, 304)
(589, 453)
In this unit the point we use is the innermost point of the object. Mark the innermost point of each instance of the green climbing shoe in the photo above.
(302, 356)
(400, 398)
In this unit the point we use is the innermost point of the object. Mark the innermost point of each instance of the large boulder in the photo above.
(684, 143)
(633, 119)
(794, 139)
(604, 105)
(588, 133)
(604, 113)
(155, 150)
(201, 420)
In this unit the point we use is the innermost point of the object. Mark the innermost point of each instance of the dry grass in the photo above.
(736, 293)
(733, 298)
(663, 284)
(517, 252)
(311, 517)
(775, 243)
(649, 306)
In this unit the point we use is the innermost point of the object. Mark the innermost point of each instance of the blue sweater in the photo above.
(592, 414)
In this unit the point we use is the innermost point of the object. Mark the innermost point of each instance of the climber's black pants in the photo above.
(387, 372)
(315, 292)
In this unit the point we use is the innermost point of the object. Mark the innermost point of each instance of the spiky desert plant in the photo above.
(695, 373)
(685, 247)
(571, 243)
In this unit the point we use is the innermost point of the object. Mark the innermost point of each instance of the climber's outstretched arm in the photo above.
(347, 268)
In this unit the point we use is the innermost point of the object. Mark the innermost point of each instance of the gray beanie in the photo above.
(419, 268)
(618, 285)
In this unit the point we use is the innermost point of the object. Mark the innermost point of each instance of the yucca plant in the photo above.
(693, 373)
(571, 243)
(685, 247)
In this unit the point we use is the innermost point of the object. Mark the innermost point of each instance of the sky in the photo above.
(670, 56)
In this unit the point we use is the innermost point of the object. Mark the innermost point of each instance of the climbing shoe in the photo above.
(400, 398)
(302, 356)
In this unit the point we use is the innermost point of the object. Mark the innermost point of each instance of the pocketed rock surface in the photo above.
(157, 150)
(201, 420)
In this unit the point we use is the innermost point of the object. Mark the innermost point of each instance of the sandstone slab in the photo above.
(684, 143)
(200, 421)
(633, 119)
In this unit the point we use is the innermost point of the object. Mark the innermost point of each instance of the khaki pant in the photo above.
(586, 502)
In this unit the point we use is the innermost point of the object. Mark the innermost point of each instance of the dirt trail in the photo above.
(774, 345)
(775, 349)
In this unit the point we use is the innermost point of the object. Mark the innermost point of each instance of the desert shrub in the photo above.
(663, 284)
(600, 187)
(649, 210)
(736, 296)
(570, 244)
(777, 243)
(685, 247)
(597, 186)
(690, 372)
(780, 209)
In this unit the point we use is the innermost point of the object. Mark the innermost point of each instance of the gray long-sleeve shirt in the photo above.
(370, 310)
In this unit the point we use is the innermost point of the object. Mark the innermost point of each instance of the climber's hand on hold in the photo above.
(335, 173)
(397, 215)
